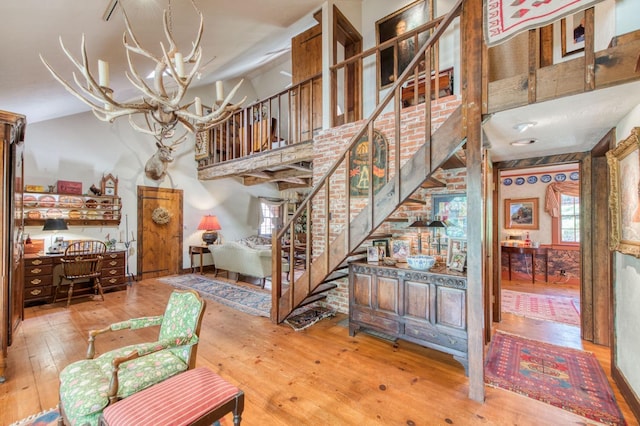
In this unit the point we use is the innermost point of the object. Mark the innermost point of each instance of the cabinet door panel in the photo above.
(452, 309)
(387, 294)
(362, 290)
(416, 299)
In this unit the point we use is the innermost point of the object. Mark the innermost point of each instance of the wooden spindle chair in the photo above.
(82, 260)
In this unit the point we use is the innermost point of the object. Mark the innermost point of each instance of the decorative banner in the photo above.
(504, 19)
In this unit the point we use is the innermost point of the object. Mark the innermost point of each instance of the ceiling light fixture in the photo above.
(160, 109)
(524, 142)
(521, 127)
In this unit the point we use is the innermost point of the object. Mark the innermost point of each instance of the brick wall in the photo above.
(330, 145)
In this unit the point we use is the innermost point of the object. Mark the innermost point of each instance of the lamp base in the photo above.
(209, 237)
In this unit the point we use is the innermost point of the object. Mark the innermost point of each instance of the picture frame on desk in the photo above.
(458, 262)
(455, 246)
(400, 249)
(373, 254)
(384, 244)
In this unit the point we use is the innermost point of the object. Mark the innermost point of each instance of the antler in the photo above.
(161, 109)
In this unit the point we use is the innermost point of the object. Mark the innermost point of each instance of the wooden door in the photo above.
(159, 233)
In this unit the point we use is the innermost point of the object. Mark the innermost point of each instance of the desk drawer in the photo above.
(109, 263)
(38, 280)
(112, 255)
(37, 270)
(35, 293)
(37, 261)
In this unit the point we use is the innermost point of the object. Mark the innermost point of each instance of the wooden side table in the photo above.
(533, 252)
(201, 250)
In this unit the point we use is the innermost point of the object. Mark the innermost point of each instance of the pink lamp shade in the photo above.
(209, 224)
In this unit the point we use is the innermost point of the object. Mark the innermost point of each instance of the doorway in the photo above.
(159, 232)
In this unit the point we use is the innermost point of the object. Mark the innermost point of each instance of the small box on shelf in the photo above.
(69, 187)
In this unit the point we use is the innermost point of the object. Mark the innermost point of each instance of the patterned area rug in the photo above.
(567, 378)
(308, 317)
(541, 306)
(255, 302)
(46, 418)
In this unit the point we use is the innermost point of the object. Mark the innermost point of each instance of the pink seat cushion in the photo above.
(179, 400)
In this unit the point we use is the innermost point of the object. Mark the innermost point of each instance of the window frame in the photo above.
(556, 228)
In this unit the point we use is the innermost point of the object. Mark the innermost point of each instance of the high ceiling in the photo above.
(239, 36)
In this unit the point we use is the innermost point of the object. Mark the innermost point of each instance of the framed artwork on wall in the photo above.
(361, 174)
(451, 209)
(202, 145)
(624, 200)
(572, 34)
(396, 24)
(521, 213)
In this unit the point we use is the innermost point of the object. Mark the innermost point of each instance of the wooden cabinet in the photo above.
(80, 210)
(38, 279)
(424, 307)
(12, 129)
(43, 272)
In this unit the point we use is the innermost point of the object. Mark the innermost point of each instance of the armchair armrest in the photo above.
(146, 349)
(132, 324)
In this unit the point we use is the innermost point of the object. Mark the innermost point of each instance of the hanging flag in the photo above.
(504, 19)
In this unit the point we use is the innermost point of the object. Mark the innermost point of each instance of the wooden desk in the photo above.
(533, 252)
(198, 250)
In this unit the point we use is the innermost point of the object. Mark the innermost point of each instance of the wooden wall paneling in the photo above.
(586, 239)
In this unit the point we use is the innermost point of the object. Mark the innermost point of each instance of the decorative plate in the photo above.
(30, 201)
(105, 204)
(107, 215)
(561, 177)
(91, 203)
(74, 214)
(520, 181)
(46, 201)
(92, 214)
(545, 178)
(532, 179)
(507, 181)
(574, 176)
(34, 214)
(54, 214)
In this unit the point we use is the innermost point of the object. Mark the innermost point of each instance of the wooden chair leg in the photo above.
(70, 294)
(99, 287)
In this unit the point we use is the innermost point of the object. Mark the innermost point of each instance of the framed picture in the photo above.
(360, 175)
(521, 213)
(384, 244)
(400, 249)
(396, 24)
(624, 200)
(373, 254)
(458, 262)
(572, 33)
(451, 209)
(202, 145)
(455, 246)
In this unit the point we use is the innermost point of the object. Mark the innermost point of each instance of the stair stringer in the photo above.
(445, 141)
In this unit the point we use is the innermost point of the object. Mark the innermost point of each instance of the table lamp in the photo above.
(54, 225)
(419, 223)
(209, 224)
(437, 223)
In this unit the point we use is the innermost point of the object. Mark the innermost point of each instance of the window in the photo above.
(569, 219)
(271, 218)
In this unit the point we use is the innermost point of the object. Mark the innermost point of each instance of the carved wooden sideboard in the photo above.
(425, 307)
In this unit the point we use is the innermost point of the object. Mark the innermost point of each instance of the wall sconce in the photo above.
(209, 224)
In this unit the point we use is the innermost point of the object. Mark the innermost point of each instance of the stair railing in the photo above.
(328, 205)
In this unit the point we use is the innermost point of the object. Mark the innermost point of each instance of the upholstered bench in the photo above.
(195, 397)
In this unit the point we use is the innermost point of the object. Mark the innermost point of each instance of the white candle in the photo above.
(198, 106)
(179, 64)
(219, 91)
(103, 73)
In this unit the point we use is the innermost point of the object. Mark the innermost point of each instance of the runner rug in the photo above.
(567, 378)
(251, 301)
(46, 418)
(541, 306)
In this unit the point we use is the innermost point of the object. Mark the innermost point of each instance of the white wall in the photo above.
(626, 289)
(626, 16)
(82, 148)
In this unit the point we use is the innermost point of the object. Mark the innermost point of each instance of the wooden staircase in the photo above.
(338, 224)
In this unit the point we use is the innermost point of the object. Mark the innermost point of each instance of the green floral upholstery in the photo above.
(84, 385)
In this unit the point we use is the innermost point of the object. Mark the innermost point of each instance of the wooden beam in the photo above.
(613, 66)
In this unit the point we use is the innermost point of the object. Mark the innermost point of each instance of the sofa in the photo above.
(250, 256)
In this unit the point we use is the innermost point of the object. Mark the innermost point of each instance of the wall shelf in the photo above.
(76, 210)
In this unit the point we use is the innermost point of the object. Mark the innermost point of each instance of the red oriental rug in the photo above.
(563, 377)
(541, 306)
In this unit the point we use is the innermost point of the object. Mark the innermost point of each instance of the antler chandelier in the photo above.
(160, 108)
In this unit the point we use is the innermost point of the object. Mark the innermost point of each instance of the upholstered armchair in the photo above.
(89, 385)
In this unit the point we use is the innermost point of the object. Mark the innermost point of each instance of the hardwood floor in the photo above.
(318, 376)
